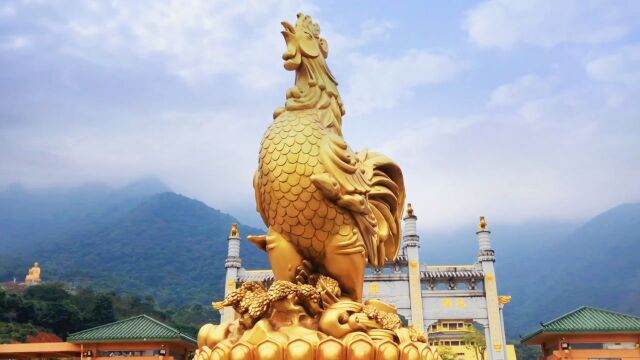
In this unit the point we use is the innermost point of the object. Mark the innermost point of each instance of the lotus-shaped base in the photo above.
(286, 322)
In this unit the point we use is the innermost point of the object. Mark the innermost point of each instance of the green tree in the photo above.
(84, 299)
(16, 309)
(102, 312)
(10, 332)
(48, 292)
(476, 342)
(446, 353)
(3, 303)
(61, 317)
(527, 352)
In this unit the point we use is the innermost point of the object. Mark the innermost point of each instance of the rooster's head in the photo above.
(303, 40)
(315, 86)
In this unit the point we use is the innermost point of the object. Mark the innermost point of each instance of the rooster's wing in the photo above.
(371, 188)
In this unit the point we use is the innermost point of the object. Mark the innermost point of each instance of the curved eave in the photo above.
(539, 336)
(182, 338)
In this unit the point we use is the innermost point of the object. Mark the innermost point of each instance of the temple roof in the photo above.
(433, 272)
(137, 328)
(589, 320)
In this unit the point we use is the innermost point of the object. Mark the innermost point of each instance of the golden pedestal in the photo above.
(309, 321)
(358, 346)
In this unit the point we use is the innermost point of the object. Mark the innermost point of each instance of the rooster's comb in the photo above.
(306, 23)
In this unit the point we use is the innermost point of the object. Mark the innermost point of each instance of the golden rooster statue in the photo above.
(322, 202)
(329, 211)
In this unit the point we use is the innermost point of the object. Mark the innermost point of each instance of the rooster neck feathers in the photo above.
(315, 86)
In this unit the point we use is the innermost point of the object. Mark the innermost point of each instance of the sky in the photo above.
(516, 110)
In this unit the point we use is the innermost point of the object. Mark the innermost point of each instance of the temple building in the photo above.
(423, 294)
(462, 339)
(590, 334)
(141, 337)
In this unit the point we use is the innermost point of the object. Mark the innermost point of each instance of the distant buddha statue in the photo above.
(33, 276)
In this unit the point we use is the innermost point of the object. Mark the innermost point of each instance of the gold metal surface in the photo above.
(504, 299)
(409, 210)
(33, 276)
(482, 226)
(322, 201)
(234, 231)
(329, 210)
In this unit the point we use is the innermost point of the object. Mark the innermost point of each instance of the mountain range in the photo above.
(145, 239)
(131, 240)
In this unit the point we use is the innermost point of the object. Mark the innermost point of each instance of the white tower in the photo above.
(494, 332)
(411, 247)
(232, 264)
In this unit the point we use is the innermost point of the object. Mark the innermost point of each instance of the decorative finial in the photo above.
(482, 226)
(234, 231)
(409, 210)
(504, 299)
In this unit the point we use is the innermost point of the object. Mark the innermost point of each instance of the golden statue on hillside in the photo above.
(329, 211)
(33, 276)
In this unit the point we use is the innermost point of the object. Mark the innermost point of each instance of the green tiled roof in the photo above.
(137, 328)
(589, 320)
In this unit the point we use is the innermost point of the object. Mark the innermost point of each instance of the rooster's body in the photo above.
(321, 201)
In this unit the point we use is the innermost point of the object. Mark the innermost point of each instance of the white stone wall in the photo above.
(393, 292)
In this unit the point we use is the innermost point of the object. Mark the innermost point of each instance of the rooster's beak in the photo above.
(287, 27)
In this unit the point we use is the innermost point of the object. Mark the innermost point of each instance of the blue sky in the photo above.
(517, 110)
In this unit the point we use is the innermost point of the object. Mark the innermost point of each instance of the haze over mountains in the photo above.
(141, 239)
(551, 267)
(146, 239)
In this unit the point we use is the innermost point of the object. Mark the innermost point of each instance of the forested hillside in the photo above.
(136, 241)
(127, 240)
(52, 308)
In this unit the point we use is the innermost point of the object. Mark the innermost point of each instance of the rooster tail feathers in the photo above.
(371, 187)
(386, 197)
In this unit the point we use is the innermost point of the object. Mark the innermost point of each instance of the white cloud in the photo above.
(341, 44)
(14, 42)
(199, 154)
(191, 39)
(7, 10)
(524, 88)
(547, 23)
(559, 146)
(622, 66)
(380, 83)
(567, 155)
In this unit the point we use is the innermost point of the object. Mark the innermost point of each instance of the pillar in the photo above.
(411, 245)
(486, 257)
(232, 264)
(504, 337)
(485, 327)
